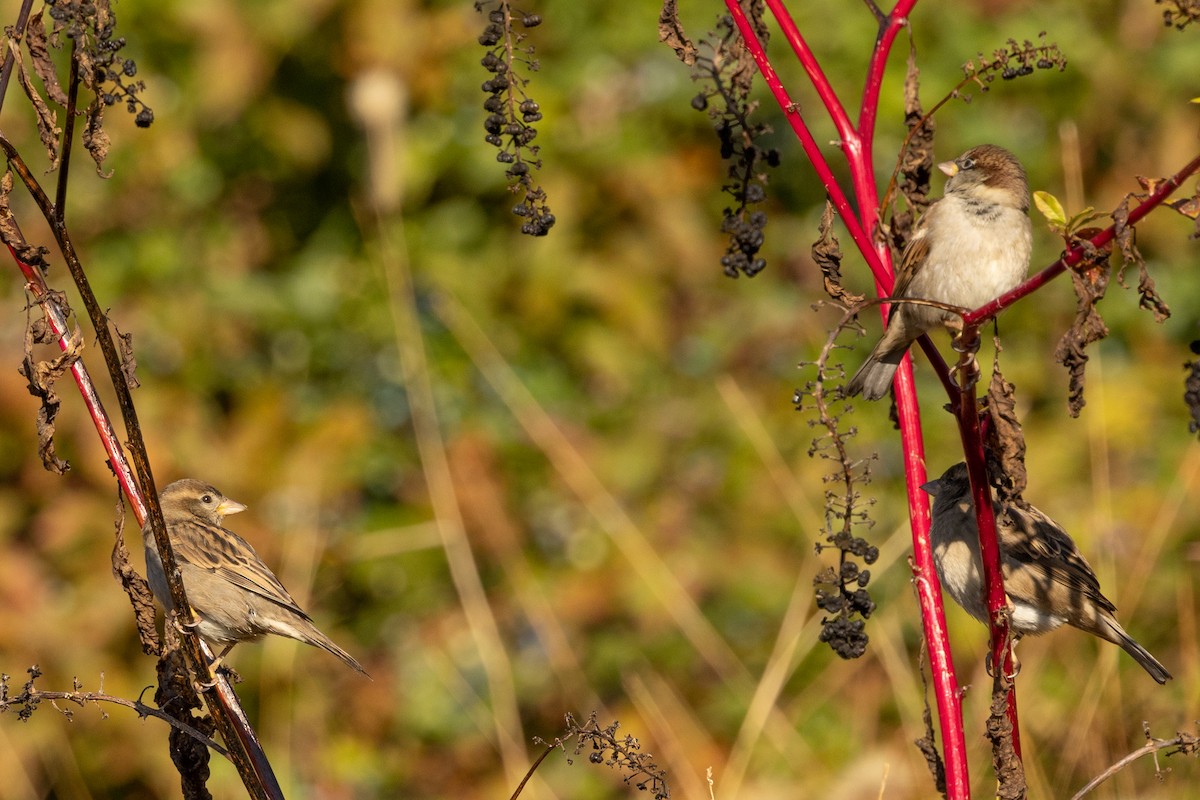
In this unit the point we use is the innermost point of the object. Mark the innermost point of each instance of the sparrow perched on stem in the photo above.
(1047, 580)
(234, 596)
(970, 247)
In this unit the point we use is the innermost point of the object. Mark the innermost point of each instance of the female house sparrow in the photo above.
(234, 596)
(970, 247)
(1047, 581)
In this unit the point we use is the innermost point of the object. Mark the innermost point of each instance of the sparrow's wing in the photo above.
(915, 252)
(230, 557)
(1030, 537)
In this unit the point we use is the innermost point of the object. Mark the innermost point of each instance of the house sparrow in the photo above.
(1047, 581)
(970, 247)
(234, 596)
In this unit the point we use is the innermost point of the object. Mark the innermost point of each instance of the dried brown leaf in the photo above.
(742, 77)
(128, 360)
(10, 234)
(916, 162)
(95, 138)
(135, 586)
(39, 54)
(89, 76)
(1188, 206)
(1148, 296)
(103, 13)
(1005, 440)
(670, 31)
(827, 252)
(1126, 236)
(47, 120)
(42, 375)
(1090, 279)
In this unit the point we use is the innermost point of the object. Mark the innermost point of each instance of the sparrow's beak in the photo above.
(931, 487)
(228, 507)
(951, 169)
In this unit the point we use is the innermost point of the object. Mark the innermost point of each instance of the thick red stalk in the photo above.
(989, 545)
(856, 146)
(864, 179)
(812, 151)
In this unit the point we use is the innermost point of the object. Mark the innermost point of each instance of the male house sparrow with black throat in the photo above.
(233, 594)
(1047, 580)
(970, 247)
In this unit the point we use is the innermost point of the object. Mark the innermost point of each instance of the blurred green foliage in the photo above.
(235, 242)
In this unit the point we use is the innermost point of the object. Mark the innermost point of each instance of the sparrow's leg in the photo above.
(1013, 638)
(217, 665)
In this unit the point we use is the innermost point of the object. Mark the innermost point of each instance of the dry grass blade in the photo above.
(463, 569)
(595, 496)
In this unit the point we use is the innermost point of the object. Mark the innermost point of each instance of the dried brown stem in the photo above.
(245, 750)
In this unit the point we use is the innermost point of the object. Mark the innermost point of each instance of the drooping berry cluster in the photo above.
(840, 590)
(843, 594)
(1180, 13)
(724, 65)
(511, 112)
(1015, 60)
(623, 753)
(92, 27)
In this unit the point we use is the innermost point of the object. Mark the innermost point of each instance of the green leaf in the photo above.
(1051, 209)
(1082, 218)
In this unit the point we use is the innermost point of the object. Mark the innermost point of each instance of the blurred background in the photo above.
(618, 512)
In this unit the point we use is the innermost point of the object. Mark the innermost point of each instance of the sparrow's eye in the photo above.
(967, 163)
(206, 499)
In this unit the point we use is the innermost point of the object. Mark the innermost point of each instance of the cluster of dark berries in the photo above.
(512, 113)
(623, 753)
(722, 64)
(845, 636)
(842, 593)
(1180, 13)
(94, 33)
(745, 238)
(1016, 60)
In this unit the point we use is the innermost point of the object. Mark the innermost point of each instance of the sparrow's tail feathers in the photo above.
(301, 629)
(874, 377)
(325, 643)
(1139, 653)
(1148, 662)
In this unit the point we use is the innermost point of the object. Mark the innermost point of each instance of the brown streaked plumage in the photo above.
(233, 594)
(969, 247)
(1047, 579)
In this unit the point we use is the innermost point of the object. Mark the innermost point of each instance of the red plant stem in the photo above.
(856, 146)
(87, 388)
(829, 98)
(862, 152)
(888, 30)
(929, 590)
(1076, 254)
(989, 545)
(791, 112)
